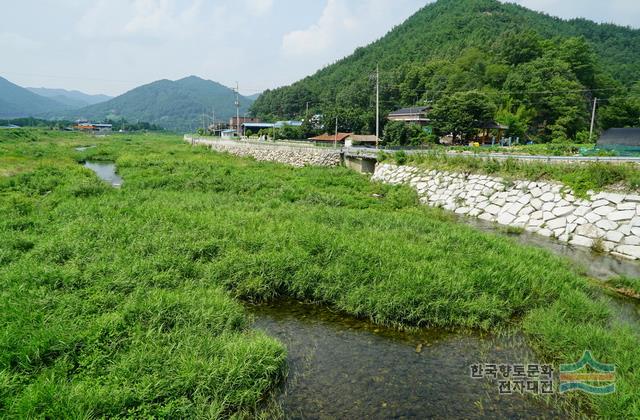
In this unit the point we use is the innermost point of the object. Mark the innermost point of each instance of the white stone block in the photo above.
(546, 197)
(630, 250)
(631, 240)
(506, 218)
(563, 211)
(526, 210)
(536, 203)
(606, 224)
(581, 241)
(557, 224)
(545, 232)
(599, 203)
(536, 192)
(493, 209)
(590, 231)
(613, 197)
(581, 211)
(617, 216)
(592, 217)
(604, 210)
(487, 217)
(525, 199)
(627, 205)
(614, 236)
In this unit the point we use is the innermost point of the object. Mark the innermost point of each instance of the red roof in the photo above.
(331, 137)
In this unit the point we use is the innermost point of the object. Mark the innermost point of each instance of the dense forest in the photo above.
(479, 60)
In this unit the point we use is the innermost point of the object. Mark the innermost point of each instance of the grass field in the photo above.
(125, 302)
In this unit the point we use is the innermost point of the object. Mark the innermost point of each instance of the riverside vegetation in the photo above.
(125, 302)
(580, 178)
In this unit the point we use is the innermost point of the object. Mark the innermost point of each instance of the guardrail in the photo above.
(371, 153)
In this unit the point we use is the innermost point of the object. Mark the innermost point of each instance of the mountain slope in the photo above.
(17, 102)
(461, 32)
(173, 105)
(71, 98)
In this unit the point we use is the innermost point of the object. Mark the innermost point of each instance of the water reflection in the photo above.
(105, 171)
(342, 367)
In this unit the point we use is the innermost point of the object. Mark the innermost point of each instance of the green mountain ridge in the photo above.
(71, 98)
(18, 102)
(174, 105)
(462, 45)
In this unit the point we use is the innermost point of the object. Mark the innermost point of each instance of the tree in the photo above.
(518, 119)
(461, 114)
(398, 133)
(520, 47)
(549, 86)
(620, 113)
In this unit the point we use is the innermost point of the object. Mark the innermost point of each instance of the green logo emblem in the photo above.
(589, 376)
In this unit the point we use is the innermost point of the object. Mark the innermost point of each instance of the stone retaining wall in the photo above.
(291, 155)
(610, 221)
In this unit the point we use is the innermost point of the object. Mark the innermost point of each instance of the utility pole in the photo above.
(593, 118)
(335, 139)
(307, 114)
(237, 109)
(377, 105)
(213, 119)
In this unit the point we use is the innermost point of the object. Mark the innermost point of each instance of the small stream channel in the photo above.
(343, 367)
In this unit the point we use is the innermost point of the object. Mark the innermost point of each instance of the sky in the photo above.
(111, 46)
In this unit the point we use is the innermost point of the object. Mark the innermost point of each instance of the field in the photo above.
(127, 302)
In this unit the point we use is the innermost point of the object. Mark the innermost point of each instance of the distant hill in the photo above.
(173, 105)
(17, 102)
(254, 96)
(71, 98)
(458, 45)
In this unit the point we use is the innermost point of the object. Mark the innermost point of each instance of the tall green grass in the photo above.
(120, 302)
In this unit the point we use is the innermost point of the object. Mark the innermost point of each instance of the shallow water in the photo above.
(105, 171)
(342, 367)
(595, 265)
(83, 148)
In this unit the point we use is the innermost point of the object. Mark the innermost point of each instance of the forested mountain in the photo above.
(535, 72)
(173, 105)
(71, 98)
(16, 101)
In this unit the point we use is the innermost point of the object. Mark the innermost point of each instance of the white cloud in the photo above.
(622, 12)
(259, 7)
(345, 23)
(16, 42)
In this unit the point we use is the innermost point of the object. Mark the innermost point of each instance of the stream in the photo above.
(343, 367)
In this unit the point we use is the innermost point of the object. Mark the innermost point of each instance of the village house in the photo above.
(415, 115)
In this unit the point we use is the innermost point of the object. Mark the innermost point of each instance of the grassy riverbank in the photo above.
(121, 302)
(579, 177)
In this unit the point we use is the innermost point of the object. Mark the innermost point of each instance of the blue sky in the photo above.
(111, 46)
